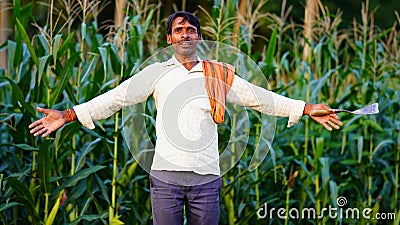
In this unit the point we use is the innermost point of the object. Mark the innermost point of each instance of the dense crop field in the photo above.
(81, 176)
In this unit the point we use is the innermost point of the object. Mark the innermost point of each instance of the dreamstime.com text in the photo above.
(332, 212)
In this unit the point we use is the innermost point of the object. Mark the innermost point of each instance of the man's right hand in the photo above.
(53, 120)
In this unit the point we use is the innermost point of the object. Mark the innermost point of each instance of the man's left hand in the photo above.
(328, 121)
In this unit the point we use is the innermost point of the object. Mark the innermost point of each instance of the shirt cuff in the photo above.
(84, 116)
(296, 112)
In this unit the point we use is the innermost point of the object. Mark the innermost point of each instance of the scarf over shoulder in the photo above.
(218, 78)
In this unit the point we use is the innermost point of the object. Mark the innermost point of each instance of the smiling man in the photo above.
(182, 33)
(185, 173)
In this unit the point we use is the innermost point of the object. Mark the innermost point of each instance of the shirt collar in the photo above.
(174, 62)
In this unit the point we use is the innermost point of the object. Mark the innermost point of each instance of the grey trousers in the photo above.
(172, 193)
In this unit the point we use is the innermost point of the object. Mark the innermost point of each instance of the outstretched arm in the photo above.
(328, 121)
(245, 93)
(53, 120)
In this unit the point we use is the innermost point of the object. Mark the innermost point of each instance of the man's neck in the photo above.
(188, 62)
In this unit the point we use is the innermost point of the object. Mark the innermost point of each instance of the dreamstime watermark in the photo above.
(331, 212)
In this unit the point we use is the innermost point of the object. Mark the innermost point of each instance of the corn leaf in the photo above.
(63, 78)
(25, 38)
(82, 174)
(55, 208)
(18, 97)
(44, 166)
(24, 196)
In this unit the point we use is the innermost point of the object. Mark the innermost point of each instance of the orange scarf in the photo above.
(218, 78)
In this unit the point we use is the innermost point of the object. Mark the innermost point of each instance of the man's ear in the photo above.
(169, 39)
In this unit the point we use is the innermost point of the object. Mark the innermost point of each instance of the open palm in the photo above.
(53, 120)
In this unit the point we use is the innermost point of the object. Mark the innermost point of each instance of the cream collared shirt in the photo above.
(187, 137)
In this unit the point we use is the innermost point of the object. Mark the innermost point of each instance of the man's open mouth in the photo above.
(185, 43)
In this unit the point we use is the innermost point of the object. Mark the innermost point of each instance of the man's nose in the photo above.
(185, 34)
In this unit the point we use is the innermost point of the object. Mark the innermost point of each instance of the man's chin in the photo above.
(185, 50)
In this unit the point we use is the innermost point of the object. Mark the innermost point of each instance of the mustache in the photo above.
(185, 40)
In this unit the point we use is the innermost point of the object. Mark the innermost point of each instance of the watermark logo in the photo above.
(341, 201)
(332, 212)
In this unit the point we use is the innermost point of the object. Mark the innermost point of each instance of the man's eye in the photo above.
(192, 31)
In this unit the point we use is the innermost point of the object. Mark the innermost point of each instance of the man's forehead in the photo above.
(181, 22)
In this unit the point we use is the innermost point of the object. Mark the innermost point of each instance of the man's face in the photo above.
(183, 37)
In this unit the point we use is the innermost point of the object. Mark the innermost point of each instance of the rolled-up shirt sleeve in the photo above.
(247, 94)
(133, 90)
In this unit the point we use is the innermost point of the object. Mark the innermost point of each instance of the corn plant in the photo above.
(81, 176)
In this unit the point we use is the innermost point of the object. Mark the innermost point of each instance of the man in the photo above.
(185, 171)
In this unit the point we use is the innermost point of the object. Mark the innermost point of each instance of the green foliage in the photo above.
(80, 176)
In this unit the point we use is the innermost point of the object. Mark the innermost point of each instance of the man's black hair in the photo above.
(187, 16)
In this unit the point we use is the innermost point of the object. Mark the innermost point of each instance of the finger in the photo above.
(42, 110)
(334, 115)
(39, 127)
(333, 125)
(47, 133)
(327, 126)
(326, 107)
(336, 121)
(39, 132)
(37, 122)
